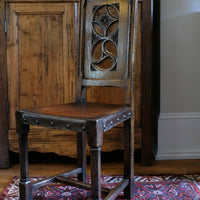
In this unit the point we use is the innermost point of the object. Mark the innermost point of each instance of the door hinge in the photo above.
(7, 106)
(142, 25)
(5, 26)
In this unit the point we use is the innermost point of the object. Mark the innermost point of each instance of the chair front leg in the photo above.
(129, 157)
(95, 159)
(25, 185)
(95, 141)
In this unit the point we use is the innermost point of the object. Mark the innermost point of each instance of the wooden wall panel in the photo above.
(37, 40)
(41, 41)
(42, 63)
(63, 142)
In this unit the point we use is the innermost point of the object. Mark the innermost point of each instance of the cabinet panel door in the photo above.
(40, 36)
(41, 65)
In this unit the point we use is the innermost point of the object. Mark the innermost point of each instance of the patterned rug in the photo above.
(185, 187)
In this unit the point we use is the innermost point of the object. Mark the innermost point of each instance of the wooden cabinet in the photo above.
(40, 68)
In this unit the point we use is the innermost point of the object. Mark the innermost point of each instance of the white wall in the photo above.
(179, 122)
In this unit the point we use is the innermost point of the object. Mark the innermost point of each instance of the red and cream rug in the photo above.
(185, 187)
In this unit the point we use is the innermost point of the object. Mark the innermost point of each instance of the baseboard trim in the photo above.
(178, 136)
(177, 155)
(164, 116)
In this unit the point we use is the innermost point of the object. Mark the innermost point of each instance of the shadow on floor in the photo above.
(37, 157)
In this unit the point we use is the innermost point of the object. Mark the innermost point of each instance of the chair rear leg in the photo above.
(81, 155)
(129, 158)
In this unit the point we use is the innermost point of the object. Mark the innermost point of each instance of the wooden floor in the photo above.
(108, 167)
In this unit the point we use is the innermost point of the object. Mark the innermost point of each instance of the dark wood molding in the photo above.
(4, 157)
(156, 74)
(147, 51)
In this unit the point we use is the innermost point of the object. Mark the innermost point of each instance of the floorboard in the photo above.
(50, 167)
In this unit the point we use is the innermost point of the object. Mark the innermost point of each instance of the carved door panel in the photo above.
(41, 62)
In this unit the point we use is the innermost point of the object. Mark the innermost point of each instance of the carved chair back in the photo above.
(106, 46)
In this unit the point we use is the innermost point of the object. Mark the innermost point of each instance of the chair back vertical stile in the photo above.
(106, 58)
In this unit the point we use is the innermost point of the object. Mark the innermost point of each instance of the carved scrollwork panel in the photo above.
(105, 37)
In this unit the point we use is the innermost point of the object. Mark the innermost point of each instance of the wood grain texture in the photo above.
(39, 76)
(69, 74)
(45, 73)
(78, 110)
(40, 70)
(37, 83)
(4, 157)
(113, 140)
(138, 68)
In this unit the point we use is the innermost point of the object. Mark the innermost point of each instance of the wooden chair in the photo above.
(106, 58)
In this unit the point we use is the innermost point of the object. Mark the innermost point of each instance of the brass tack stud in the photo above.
(52, 123)
(104, 126)
(37, 122)
(68, 126)
(129, 114)
(111, 123)
(124, 116)
(118, 119)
